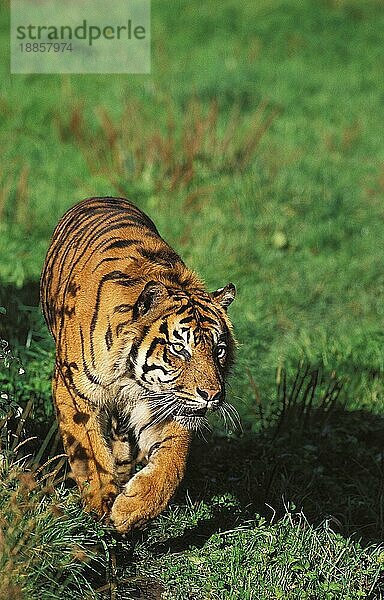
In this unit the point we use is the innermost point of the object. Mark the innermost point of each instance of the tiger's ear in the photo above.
(224, 296)
(152, 294)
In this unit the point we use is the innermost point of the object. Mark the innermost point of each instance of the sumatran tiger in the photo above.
(142, 352)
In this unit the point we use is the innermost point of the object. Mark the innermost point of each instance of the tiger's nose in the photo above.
(209, 394)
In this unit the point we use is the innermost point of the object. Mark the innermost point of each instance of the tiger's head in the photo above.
(183, 351)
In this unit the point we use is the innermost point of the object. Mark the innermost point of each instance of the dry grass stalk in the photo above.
(21, 198)
(171, 155)
(18, 192)
(5, 191)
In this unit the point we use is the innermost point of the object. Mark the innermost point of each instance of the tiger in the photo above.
(142, 355)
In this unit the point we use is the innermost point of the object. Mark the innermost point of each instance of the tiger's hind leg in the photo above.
(90, 459)
(123, 445)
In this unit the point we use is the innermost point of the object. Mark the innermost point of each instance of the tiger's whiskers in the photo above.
(230, 417)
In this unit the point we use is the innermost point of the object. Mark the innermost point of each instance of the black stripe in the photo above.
(122, 308)
(126, 221)
(204, 307)
(187, 319)
(87, 372)
(119, 243)
(132, 439)
(129, 283)
(165, 357)
(153, 345)
(164, 329)
(153, 449)
(136, 344)
(183, 308)
(206, 319)
(172, 379)
(134, 352)
(175, 279)
(104, 260)
(122, 463)
(158, 445)
(143, 428)
(68, 381)
(148, 368)
(108, 337)
(167, 257)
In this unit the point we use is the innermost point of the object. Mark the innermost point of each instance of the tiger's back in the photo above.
(142, 351)
(103, 240)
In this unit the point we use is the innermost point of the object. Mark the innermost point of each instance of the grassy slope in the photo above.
(299, 231)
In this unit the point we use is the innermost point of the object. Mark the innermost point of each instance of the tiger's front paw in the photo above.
(136, 505)
(128, 512)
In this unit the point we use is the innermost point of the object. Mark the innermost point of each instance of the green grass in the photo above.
(289, 559)
(256, 147)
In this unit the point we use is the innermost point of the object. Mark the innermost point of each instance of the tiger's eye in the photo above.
(178, 348)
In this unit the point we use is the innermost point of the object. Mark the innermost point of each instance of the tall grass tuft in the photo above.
(47, 543)
(179, 152)
(312, 396)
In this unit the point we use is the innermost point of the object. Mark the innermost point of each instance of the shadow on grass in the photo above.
(22, 311)
(327, 461)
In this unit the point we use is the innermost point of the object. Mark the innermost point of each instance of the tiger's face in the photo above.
(184, 351)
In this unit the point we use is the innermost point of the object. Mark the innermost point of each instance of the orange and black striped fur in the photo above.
(142, 351)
